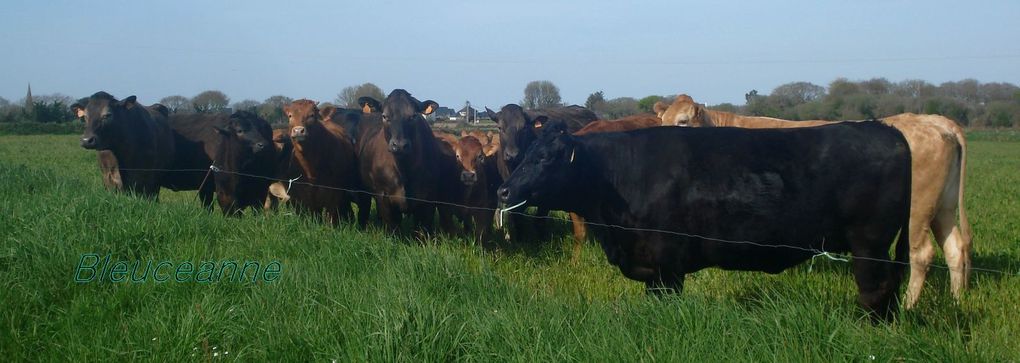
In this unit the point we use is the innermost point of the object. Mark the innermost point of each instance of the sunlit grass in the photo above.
(355, 295)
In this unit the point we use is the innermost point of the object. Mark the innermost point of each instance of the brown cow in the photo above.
(349, 119)
(476, 187)
(326, 160)
(378, 170)
(134, 143)
(938, 150)
(632, 122)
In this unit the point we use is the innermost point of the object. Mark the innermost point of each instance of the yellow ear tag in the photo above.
(366, 109)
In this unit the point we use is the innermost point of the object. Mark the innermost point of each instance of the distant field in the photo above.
(353, 295)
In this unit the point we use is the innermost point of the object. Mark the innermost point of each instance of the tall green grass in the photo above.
(354, 295)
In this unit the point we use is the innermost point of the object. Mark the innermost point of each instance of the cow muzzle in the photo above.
(89, 142)
(298, 133)
(509, 155)
(399, 147)
(468, 177)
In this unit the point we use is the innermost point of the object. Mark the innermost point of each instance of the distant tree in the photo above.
(54, 98)
(876, 86)
(4, 103)
(176, 103)
(210, 101)
(246, 105)
(725, 107)
(595, 99)
(540, 94)
(596, 102)
(841, 87)
(348, 97)
(621, 107)
(948, 107)
(791, 94)
(272, 109)
(996, 91)
(646, 104)
(913, 88)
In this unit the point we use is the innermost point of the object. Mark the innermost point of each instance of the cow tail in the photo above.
(902, 250)
(964, 224)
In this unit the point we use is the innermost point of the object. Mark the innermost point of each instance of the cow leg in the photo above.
(956, 249)
(390, 216)
(364, 202)
(921, 254)
(424, 215)
(580, 234)
(541, 227)
(876, 275)
(666, 284)
(446, 220)
(206, 195)
(482, 221)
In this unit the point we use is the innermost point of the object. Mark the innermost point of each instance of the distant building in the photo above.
(29, 102)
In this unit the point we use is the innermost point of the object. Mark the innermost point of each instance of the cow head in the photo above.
(682, 112)
(104, 115)
(241, 127)
(369, 104)
(301, 115)
(402, 114)
(546, 170)
(471, 155)
(516, 132)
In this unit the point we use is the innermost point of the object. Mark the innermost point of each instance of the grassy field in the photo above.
(350, 295)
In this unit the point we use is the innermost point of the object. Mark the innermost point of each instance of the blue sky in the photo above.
(485, 52)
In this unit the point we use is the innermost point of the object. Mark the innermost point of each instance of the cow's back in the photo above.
(781, 186)
(576, 117)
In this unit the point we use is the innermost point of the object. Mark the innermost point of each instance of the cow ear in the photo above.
(78, 110)
(327, 112)
(129, 102)
(539, 122)
(428, 107)
(659, 108)
(492, 114)
(490, 150)
(369, 104)
(220, 130)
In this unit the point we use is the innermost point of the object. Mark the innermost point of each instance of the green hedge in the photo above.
(41, 128)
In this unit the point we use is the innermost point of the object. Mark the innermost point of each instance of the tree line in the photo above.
(969, 102)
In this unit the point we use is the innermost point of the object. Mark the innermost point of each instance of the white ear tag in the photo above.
(572, 155)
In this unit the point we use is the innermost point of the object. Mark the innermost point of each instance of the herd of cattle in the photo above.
(729, 191)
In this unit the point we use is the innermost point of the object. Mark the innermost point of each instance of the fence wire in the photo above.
(499, 211)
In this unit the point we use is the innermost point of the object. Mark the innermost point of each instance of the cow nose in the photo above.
(468, 177)
(258, 146)
(298, 132)
(504, 194)
(88, 142)
(509, 155)
(398, 147)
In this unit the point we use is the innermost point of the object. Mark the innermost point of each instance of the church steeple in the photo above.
(29, 103)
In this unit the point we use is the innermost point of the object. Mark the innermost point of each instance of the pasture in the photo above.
(351, 295)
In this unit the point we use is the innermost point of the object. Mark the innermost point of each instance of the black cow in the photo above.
(247, 158)
(200, 137)
(519, 128)
(134, 142)
(838, 188)
(418, 158)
